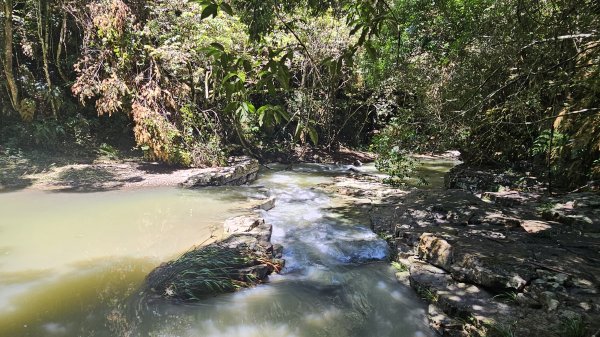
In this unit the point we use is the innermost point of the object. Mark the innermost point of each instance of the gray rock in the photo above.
(241, 170)
(510, 198)
(477, 180)
(267, 204)
(277, 251)
(461, 251)
(241, 224)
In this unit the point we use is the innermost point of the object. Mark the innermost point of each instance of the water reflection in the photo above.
(70, 304)
(68, 260)
(430, 171)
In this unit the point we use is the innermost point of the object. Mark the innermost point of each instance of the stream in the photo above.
(71, 264)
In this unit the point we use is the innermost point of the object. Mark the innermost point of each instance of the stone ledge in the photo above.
(241, 170)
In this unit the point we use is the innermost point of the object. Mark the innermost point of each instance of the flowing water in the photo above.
(71, 264)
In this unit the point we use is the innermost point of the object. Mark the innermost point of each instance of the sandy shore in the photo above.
(92, 177)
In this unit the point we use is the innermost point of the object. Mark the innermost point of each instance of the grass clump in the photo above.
(573, 327)
(427, 294)
(204, 272)
(507, 297)
(501, 330)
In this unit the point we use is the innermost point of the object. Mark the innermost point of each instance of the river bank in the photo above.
(48, 172)
(510, 263)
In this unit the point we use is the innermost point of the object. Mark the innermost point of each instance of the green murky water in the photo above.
(66, 257)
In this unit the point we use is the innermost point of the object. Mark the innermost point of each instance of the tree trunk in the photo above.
(43, 27)
(11, 83)
(59, 48)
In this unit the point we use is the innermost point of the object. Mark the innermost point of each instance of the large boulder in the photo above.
(241, 170)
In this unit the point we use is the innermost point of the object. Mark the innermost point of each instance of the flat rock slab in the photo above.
(241, 170)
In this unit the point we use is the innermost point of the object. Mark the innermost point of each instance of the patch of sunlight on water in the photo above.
(67, 255)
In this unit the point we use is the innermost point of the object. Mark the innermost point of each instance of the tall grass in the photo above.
(203, 272)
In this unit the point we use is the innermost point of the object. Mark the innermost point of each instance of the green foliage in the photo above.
(108, 151)
(401, 267)
(490, 78)
(200, 273)
(205, 271)
(427, 294)
(549, 141)
(49, 134)
(209, 153)
(393, 159)
(509, 297)
(199, 78)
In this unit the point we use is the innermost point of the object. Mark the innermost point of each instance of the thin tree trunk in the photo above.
(11, 83)
(59, 49)
(43, 27)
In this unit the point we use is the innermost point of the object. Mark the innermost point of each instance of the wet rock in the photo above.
(267, 204)
(361, 251)
(277, 251)
(241, 170)
(243, 259)
(260, 271)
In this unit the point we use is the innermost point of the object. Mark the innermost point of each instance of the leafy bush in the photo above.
(393, 158)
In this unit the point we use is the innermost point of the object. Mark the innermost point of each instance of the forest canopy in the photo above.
(509, 83)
